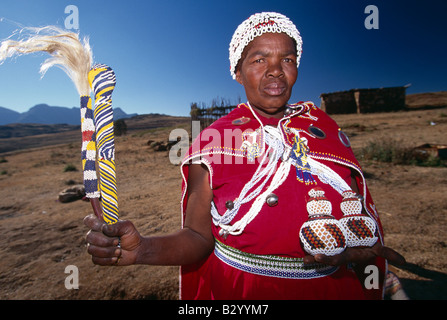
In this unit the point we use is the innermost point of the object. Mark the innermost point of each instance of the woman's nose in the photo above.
(275, 69)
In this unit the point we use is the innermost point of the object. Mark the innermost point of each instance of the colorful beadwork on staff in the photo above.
(88, 154)
(102, 81)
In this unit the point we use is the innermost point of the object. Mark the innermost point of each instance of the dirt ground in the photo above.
(41, 237)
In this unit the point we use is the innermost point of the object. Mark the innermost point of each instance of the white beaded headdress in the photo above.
(257, 25)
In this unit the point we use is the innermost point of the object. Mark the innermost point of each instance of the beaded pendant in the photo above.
(361, 230)
(322, 233)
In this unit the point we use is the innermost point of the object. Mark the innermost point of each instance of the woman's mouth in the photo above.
(274, 89)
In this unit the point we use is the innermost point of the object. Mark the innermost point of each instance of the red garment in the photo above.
(275, 230)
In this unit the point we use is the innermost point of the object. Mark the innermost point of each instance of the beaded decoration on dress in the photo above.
(322, 233)
(361, 230)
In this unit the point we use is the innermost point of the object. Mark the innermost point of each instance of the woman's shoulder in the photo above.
(240, 117)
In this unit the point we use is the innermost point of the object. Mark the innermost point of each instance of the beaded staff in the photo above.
(102, 81)
(88, 155)
(75, 58)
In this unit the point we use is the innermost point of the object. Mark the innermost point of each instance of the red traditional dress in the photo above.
(259, 206)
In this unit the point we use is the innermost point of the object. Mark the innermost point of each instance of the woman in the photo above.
(247, 181)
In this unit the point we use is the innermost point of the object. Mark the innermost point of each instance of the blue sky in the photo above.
(168, 54)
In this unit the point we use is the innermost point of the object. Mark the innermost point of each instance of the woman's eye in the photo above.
(258, 59)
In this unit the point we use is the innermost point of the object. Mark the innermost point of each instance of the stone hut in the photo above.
(364, 100)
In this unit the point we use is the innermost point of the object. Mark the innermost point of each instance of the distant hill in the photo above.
(8, 116)
(45, 114)
(20, 136)
(426, 100)
(18, 130)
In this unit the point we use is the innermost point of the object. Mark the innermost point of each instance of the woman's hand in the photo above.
(358, 255)
(115, 244)
(121, 244)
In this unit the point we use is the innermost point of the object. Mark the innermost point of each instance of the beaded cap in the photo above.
(255, 26)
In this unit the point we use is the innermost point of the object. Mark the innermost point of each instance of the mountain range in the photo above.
(45, 114)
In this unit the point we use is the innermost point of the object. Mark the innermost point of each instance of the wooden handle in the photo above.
(96, 205)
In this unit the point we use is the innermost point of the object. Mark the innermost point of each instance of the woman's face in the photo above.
(268, 72)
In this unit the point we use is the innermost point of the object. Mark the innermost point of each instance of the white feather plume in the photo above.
(66, 50)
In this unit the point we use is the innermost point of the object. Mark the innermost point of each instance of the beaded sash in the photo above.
(270, 265)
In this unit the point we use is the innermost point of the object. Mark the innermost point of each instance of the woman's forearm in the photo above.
(180, 248)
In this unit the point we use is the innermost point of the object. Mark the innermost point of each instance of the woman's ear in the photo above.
(238, 76)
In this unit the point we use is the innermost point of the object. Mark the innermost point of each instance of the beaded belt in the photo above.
(270, 265)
